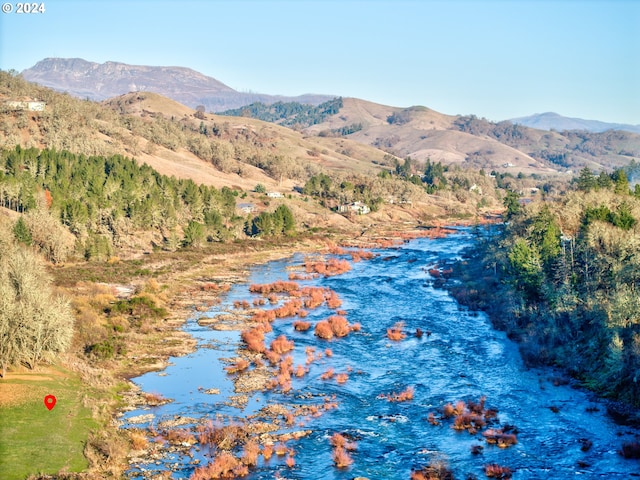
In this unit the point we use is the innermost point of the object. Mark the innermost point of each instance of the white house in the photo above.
(357, 207)
(246, 208)
(30, 105)
(275, 195)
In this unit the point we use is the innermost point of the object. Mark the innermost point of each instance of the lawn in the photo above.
(34, 439)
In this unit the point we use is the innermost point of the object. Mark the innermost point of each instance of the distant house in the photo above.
(29, 105)
(475, 188)
(246, 208)
(358, 208)
(275, 195)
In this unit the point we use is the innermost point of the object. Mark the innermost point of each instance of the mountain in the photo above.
(554, 121)
(96, 81)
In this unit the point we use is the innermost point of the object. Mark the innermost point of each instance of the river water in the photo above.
(463, 358)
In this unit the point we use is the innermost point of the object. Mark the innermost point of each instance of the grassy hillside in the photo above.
(422, 133)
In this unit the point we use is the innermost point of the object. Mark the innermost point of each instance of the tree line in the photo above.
(103, 201)
(568, 272)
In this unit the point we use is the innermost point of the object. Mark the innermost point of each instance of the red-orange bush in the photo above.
(250, 453)
(281, 345)
(339, 325)
(301, 326)
(497, 471)
(264, 316)
(275, 287)
(342, 378)
(254, 339)
(289, 309)
(239, 366)
(323, 330)
(395, 333)
(404, 396)
(341, 458)
(314, 296)
(333, 301)
(328, 374)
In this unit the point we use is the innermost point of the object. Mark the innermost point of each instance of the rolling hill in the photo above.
(418, 132)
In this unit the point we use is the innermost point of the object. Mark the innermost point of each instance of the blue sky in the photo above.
(496, 59)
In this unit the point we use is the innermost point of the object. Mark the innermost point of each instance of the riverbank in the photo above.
(364, 385)
(174, 283)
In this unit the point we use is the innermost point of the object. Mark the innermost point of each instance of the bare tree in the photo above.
(35, 324)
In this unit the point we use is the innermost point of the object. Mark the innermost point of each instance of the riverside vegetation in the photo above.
(97, 219)
(567, 270)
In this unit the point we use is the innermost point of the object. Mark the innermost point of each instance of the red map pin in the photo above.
(49, 401)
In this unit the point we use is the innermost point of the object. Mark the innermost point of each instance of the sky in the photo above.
(496, 59)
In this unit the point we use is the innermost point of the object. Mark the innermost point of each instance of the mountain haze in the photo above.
(96, 81)
(554, 121)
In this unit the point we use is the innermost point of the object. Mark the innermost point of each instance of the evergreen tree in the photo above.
(21, 232)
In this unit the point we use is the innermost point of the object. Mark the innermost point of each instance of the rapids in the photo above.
(460, 357)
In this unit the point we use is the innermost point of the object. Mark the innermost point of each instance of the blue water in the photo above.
(463, 358)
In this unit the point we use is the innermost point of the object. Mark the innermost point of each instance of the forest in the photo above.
(567, 269)
(289, 114)
(97, 204)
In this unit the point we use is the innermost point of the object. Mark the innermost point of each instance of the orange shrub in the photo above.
(281, 345)
(264, 316)
(339, 325)
(301, 326)
(314, 296)
(333, 266)
(355, 327)
(300, 371)
(448, 410)
(254, 339)
(275, 287)
(342, 378)
(404, 396)
(289, 309)
(272, 356)
(328, 374)
(498, 437)
(267, 451)
(341, 458)
(280, 449)
(257, 302)
(497, 471)
(395, 333)
(333, 301)
(310, 351)
(239, 366)
(138, 440)
(250, 453)
(323, 330)
(286, 365)
(290, 461)
(328, 352)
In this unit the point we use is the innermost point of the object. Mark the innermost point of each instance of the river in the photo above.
(562, 432)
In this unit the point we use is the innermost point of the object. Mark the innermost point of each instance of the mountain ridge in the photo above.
(100, 81)
(555, 121)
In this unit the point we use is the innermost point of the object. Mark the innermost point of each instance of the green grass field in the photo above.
(36, 440)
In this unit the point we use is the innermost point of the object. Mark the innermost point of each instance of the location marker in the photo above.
(49, 401)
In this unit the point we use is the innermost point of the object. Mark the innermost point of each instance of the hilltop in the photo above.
(95, 81)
